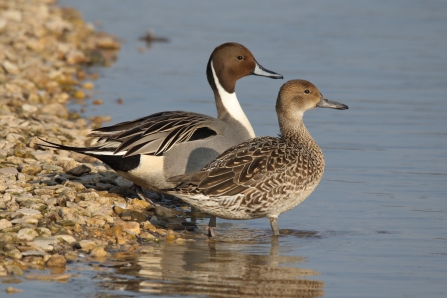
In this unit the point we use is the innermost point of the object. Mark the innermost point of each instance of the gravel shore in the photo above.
(55, 204)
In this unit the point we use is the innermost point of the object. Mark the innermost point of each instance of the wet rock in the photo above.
(56, 261)
(14, 270)
(11, 290)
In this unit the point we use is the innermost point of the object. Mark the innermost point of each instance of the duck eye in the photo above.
(240, 57)
(307, 91)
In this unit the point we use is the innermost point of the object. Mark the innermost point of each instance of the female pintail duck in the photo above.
(148, 150)
(264, 176)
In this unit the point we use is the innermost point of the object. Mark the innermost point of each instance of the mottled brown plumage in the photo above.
(264, 176)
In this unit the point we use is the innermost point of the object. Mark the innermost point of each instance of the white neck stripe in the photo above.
(231, 104)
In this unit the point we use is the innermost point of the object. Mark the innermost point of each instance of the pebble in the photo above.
(45, 243)
(11, 290)
(27, 234)
(56, 261)
(5, 224)
(30, 212)
(86, 245)
(131, 227)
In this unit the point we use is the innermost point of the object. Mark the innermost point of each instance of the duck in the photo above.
(262, 177)
(150, 149)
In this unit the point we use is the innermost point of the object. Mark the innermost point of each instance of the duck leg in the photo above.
(274, 225)
(142, 196)
(212, 227)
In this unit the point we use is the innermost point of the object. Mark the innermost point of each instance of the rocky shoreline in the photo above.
(55, 204)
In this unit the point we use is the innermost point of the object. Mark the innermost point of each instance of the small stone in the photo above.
(75, 57)
(55, 109)
(120, 181)
(130, 227)
(42, 155)
(3, 271)
(29, 108)
(25, 220)
(79, 94)
(33, 253)
(88, 85)
(161, 232)
(5, 224)
(27, 234)
(11, 290)
(56, 261)
(45, 243)
(30, 212)
(79, 170)
(133, 216)
(9, 171)
(31, 170)
(118, 210)
(170, 236)
(14, 270)
(97, 102)
(14, 253)
(107, 42)
(86, 245)
(147, 236)
(166, 212)
(66, 238)
(43, 232)
(67, 223)
(88, 196)
(10, 67)
(99, 252)
(71, 255)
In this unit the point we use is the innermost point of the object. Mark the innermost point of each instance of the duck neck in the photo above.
(228, 108)
(294, 132)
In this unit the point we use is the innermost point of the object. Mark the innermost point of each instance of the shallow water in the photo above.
(376, 224)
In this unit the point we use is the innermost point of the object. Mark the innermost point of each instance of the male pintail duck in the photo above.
(264, 176)
(148, 150)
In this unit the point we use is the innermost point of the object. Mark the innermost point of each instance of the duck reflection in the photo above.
(220, 269)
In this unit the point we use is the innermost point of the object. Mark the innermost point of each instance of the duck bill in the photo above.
(261, 71)
(326, 103)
